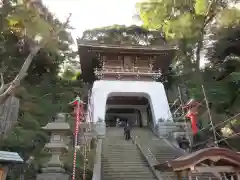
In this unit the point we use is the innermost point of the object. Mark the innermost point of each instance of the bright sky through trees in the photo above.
(88, 14)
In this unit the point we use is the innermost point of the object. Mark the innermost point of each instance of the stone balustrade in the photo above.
(171, 129)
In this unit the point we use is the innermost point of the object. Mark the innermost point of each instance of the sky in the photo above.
(89, 14)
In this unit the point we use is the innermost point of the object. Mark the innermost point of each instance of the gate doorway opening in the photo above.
(133, 109)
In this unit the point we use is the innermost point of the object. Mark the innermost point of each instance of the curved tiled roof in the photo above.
(87, 51)
(6, 156)
(214, 154)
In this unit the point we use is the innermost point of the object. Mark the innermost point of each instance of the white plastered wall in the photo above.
(153, 91)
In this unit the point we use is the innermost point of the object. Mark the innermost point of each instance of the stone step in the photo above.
(114, 148)
(120, 151)
(123, 155)
(123, 152)
(117, 178)
(129, 172)
(122, 160)
(118, 168)
(123, 163)
(119, 146)
(124, 168)
(133, 175)
(110, 149)
(120, 157)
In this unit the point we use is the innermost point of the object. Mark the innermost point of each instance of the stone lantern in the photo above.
(54, 168)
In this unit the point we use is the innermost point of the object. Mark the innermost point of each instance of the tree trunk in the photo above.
(6, 91)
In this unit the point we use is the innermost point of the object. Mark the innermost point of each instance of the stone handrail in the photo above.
(155, 159)
(97, 169)
(149, 157)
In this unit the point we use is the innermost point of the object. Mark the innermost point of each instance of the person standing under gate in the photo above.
(127, 131)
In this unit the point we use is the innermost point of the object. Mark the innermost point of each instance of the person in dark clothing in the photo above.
(183, 143)
(127, 130)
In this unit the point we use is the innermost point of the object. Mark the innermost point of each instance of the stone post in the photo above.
(54, 170)
(100, 128)
(167, 129)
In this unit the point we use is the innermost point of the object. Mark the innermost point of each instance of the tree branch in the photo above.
(6, 91)
(209, 16)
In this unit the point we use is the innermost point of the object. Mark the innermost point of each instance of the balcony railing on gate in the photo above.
(119, 70)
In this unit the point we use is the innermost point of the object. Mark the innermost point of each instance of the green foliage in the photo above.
(120, 34)
(185, 26)
(229, 17)
(69, 73)
(184, 23)
(201, 7)
(42, 93)
(28, 19)
(226, 42)
(235, 76)
(188, 23)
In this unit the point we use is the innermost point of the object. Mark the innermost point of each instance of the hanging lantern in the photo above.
(192, 107)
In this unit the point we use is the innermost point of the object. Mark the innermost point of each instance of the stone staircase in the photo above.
(163, 151)
(122, 160)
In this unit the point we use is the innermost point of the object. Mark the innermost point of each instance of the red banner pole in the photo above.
(78, 113)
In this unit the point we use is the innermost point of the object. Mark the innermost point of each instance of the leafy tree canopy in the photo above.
(197, 27)
(121, 34)
(42, 92)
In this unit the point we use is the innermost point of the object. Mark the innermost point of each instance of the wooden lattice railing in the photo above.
(127, 70)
